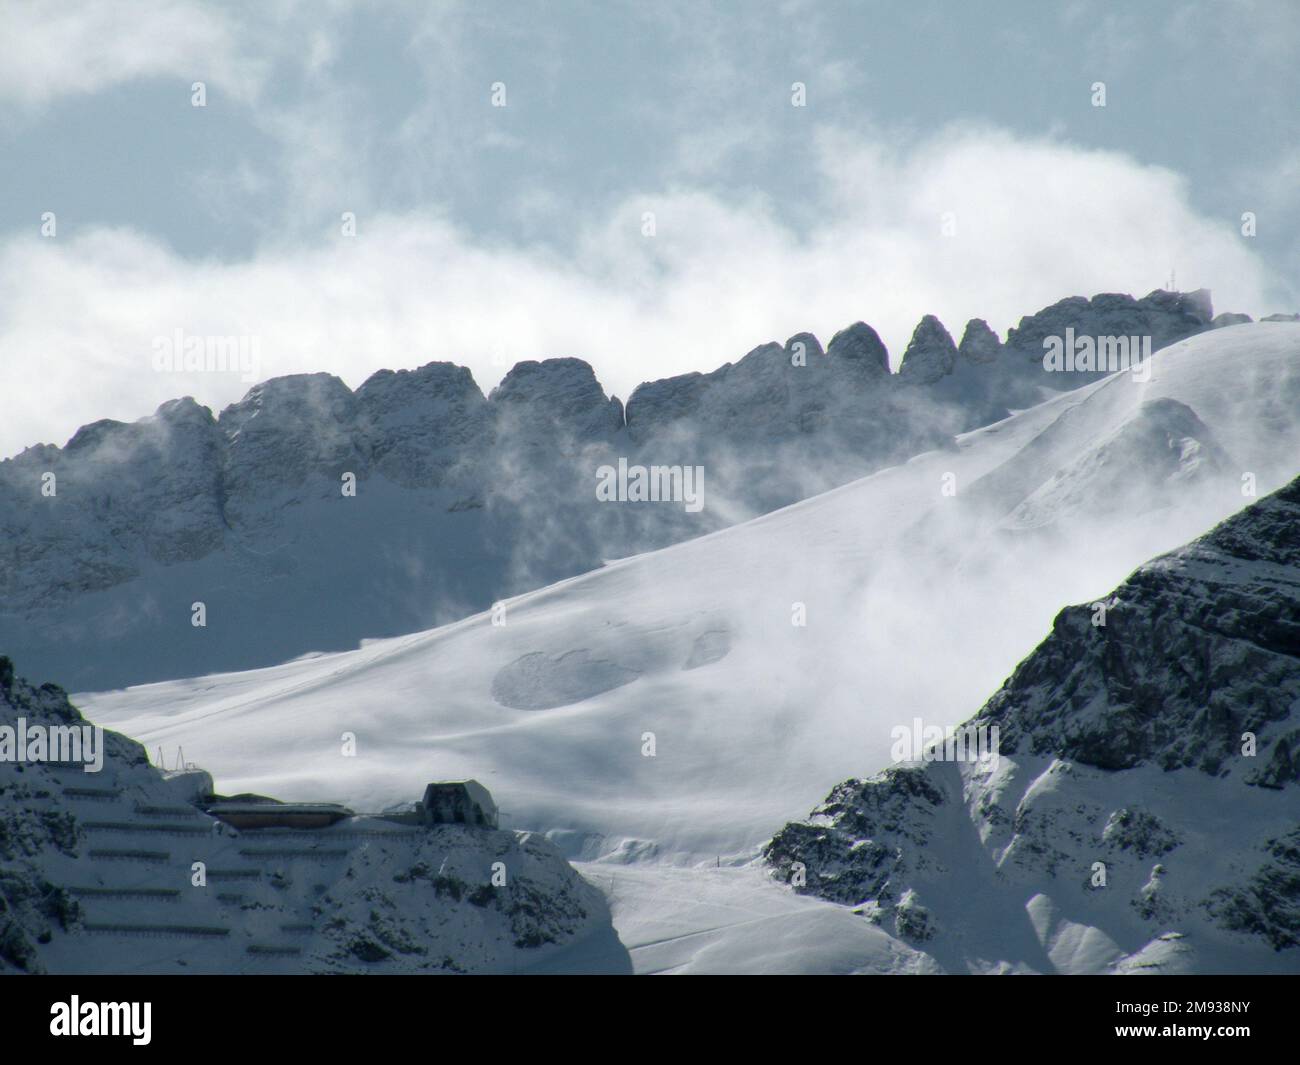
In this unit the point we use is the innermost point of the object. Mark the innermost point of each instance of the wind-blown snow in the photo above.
(917, 604)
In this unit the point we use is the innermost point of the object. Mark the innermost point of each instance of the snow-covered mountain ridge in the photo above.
(461, 499)
(768, 660)
(1143, 811)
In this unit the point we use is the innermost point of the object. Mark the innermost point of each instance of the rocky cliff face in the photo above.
(122, 870)
(1200, 648)
(1166, 317)
(1141, 813)
(461, 500)
(930, 354)
(979, 344)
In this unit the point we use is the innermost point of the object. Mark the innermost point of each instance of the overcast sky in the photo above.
(488, 234)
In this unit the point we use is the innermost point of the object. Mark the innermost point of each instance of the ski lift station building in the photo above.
(459, 802)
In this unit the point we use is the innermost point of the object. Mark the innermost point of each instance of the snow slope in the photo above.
(917, 603)
(731, 920)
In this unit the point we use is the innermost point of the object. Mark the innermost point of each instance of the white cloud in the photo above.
(57, 50)
(1036, 220)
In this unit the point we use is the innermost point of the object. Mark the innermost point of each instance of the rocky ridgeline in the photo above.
(461, 499)
(1143, 811)
(97, 874)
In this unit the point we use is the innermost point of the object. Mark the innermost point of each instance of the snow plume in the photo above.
(774, 659)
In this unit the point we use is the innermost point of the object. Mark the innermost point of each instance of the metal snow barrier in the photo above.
(166, 894)
(101, 794)
(336, 834)
(266, 949)
(131, 855)
(289, 852)
(234, 874)
(185, 930)
(135, 826)
(166, 811)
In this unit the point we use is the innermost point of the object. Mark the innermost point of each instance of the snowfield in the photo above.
(662, 717)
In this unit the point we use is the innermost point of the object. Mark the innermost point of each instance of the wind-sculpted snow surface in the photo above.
(100, 872)
(829, 607)
(539, 681)
(309, 516)
(1169, 441)
(882, 601)
(1141, 811)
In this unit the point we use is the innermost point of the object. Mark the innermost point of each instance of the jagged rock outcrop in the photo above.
(280, 437)
(858, 351)
(1166, 317)
(786, 421)
(747, 401)
(775, 394)
(98, 874)
(556, 395)
(979, 344)
(78, 519)
(930, 354)
(1199, 648)
(1088, 838)
(1268, 903)
(420, 428)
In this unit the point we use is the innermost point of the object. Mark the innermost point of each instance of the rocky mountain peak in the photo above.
(812, 347)
(296, 399)
(930, 353)
(859, 349)
(559, 392)
(416, 426)
(430, 381)
(1164, 316)
(185, 411)
(979, 344)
